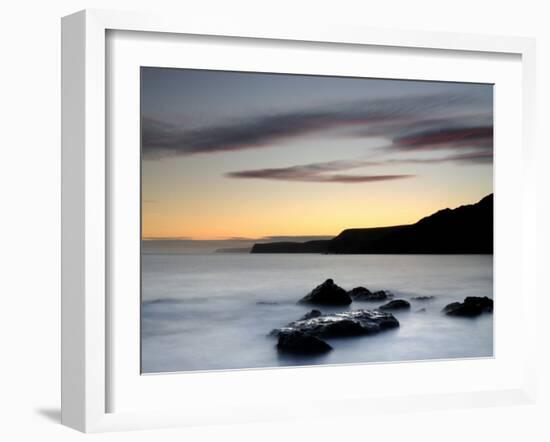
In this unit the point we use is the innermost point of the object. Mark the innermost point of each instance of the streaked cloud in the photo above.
(318, 173)
(324, 172)
(447, 138)
(376, 117)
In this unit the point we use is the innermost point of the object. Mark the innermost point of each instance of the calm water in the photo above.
(205, 312)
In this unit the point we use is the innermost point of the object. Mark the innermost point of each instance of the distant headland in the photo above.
(465, 230)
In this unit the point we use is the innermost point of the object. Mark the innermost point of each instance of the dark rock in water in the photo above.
(328, 293)
(298, 342)
(312, 314)
(364, 294)
(423, 298)
(472, 306)
(451, 306)
(345, 327)
(485, 303)
(396, 304)
(267, 303)
(463, 310)
(381, 295)
(352, 323)
(422, 310)
(359, 292)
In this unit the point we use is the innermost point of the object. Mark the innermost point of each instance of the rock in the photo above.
(298, 342)
(381, 295)
(463, 310)
(267, 303)
(423, 298)
(345, 327)
(328, 293)
(364, 294)
(396, 304)
(359, 292)
(485, 303)
(352, 323)
(422, 310)
(472, 306)
(312, 314)
(451, 306)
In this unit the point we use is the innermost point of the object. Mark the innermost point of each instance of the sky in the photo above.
(244, 155)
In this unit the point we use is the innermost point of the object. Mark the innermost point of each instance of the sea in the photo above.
(214, 311)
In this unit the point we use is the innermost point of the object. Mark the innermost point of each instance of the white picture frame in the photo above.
(86, 317)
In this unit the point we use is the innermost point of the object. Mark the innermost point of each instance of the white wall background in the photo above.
(30, 215)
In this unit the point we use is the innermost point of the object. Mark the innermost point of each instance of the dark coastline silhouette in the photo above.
(465, 230)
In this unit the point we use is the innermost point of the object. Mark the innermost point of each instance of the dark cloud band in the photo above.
(384, 117)
(315, 178)
(462, 137)
(324, 172)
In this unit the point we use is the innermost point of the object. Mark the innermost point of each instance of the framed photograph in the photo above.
(262, 222)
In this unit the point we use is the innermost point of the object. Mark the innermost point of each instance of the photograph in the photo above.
(304, 220)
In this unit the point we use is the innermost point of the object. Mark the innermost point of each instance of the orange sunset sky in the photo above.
(233, 155)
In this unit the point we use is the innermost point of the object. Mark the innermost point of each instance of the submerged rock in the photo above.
(472, 306)
(352, 323)
(298, 342)
(312, 314)
(396, 304)
(452, 306)
(364, 294)
(328, 293)
(381, 295)
(423, 298)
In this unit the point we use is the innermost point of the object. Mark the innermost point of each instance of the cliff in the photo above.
(465, 230)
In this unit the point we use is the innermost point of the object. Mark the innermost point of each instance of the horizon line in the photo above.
(233, 238)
